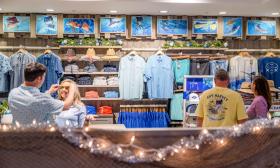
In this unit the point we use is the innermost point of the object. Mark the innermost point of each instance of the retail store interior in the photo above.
(151, 83)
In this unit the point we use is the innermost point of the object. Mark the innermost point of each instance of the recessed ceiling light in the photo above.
(222, 13)
(182, 1)
(163, 11)
(275, 13)
(113, 11)
(50, 10)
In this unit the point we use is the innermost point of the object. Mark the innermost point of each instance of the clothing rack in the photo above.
(28, 48)
(141, 49)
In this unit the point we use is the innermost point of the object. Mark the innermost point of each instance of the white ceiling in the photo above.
(147, 7)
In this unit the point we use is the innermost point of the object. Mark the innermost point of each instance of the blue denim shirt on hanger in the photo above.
(5, 67)
(54, 69)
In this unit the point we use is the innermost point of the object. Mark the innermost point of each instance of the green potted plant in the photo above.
(5, 114)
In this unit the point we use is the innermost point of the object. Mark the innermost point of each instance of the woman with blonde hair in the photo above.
(75, 116)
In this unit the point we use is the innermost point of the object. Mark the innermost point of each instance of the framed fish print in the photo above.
(112, 24)
(172, 26)
(141, 26)
(261, 28)
(232, 26)
(78, 26)
(46, 25)
(205, 26)
(16, 23)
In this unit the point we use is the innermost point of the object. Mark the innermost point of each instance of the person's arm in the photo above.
(68, 102)
(200, 112)
(199, 121)
(241, 114)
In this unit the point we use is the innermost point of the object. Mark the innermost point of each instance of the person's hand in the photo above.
(54, 88)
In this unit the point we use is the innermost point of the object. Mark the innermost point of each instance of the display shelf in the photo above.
(96, 47)
(179, 90)
(100, 86)
(190, 48)
(92, 73)
(102, 115)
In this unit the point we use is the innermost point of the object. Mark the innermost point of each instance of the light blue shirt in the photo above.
(218, 64)
(75, 116)
(28, 104)
(4, 69)
(176, 108)
(131, 77)
(181, 68)
(159, 76)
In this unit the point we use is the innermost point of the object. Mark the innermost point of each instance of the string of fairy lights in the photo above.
(133, 153)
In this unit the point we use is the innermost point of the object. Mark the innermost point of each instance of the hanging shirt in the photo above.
(18, 62)
(54, 69)
(269, 67)
(218, 64)
(220, 107)
(176, 109)
(159, 77)
(200, 67)
(242, 69)
(181, 68)
(131, 74)
(5, 67)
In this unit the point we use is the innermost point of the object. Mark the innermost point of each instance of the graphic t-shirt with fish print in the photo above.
(220, 107)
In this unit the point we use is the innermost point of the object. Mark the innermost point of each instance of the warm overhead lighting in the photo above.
(222, 13)
(113, 11)
(0, 9)
(163, 11)
(275, 13)
(50, 10)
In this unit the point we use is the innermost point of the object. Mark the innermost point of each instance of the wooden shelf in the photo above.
(179, 49)
(179, 90)
(101, 99)
(97, 47)
(101, 86)
(103, 115)
(93, 73)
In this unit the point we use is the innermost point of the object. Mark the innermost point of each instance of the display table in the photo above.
(37, 148)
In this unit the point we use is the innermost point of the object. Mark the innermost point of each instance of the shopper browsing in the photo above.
(262, 101)
(27, 103)
(220, 106)
(75, 115)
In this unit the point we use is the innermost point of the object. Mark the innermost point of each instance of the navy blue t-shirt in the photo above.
(269, 67)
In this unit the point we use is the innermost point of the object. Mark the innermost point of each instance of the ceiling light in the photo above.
(275, 13)
(222, 13)
(113, 11)
(0, 9)
(50, 10)
(163, 11)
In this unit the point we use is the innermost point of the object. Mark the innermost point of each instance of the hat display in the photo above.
(90, 55)
(111, 54)
(246, 88)
(70, 52)
(272, 86)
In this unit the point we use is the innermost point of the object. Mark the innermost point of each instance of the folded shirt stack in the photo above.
(85, 80)
(91, 94)
(111, 94)
(99, 81)
(110, 68)
(71, 68)
(113, 81)
(90, 68)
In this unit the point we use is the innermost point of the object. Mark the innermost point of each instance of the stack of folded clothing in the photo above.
(91, 94)
(71, 68)
(105, 110)
(99, 81)
(84, 80)
(110, 68)
(68, 77)
(111, 94)
(90, 68)
(91, 110)
(113, 81)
